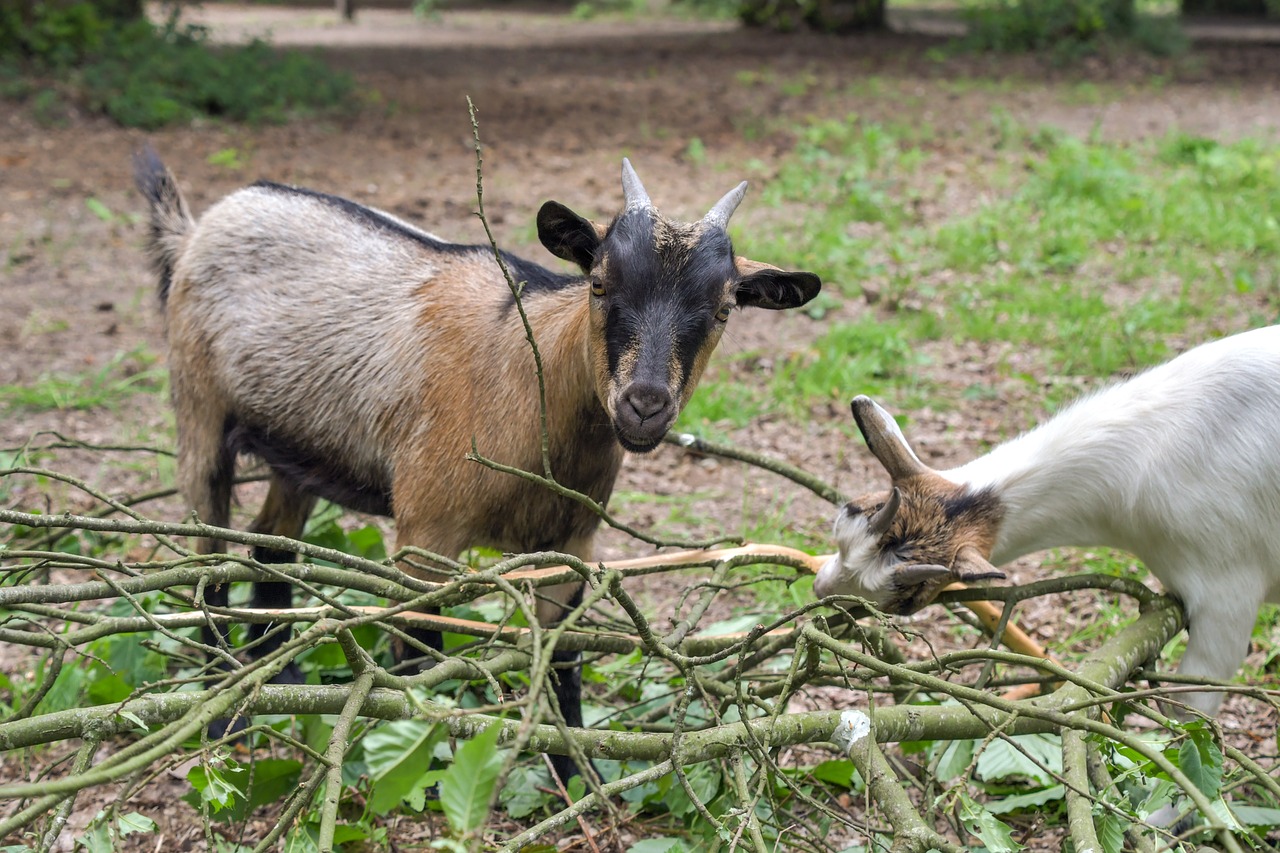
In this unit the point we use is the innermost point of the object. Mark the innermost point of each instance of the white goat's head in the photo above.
(898, 549)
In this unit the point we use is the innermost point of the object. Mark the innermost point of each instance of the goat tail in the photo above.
(170, 218)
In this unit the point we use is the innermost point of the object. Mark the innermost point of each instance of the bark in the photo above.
(1250, 8)
(830, 16)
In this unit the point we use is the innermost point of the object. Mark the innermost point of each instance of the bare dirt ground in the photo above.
(560, 103)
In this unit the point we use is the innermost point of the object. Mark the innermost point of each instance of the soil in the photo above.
(560, 102)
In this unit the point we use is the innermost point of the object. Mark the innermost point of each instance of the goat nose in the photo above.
(647, 400)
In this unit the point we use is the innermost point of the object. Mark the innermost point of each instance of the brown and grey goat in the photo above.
(1178, 466)
(361, 357)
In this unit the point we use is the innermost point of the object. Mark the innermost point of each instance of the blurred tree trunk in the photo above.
(1254, 8)
(832, 16)
(119, 10)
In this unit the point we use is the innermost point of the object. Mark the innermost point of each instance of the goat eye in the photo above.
(597, 287)
(900, 550)
(723, 314)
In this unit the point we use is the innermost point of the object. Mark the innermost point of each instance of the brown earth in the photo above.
(560, 102)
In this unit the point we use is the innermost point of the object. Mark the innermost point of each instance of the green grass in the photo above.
(1096, 259)
(123, 376)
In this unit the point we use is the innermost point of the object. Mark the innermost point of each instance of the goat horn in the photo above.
(917, 574)
(885, 440)
(878, 524)
(916, 585)
(632, 190)
(718, 216)
(970, 565)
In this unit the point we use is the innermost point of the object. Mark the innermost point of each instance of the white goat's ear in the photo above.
(885, 440)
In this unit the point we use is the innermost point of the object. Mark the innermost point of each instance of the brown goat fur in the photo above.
(936, 523)
(361, 358)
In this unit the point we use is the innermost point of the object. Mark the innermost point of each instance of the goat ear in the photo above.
(885, 440)
(569, 236)
(765, 286)
(971, 566)
(917, 584)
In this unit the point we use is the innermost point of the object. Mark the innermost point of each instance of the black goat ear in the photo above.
(568, 235)
(765, 286)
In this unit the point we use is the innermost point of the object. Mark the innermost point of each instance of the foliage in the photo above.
(143, 75)
(1067, 28)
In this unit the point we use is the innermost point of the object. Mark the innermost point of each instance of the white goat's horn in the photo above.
(878, 524)
(632, 190)
(719, 215)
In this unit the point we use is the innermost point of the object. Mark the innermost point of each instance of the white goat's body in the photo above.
(1179, 465)
(1182, 457)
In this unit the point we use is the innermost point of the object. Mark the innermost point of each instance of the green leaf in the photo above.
(232, 792)
(397, 754)
(135, 822)
(108, 689)
(520, 795)
(1256, 816)
(704, 781)
(305, 838)
(1223, 812)
(1110, 829)
(996, 836)
(133, 718)
(367, 542)
(839, 772)
(1201, 760)
(97, 838)
(1032, 799)
(1037, 759)
(657, 845)
(468, 784)
(270, 779)
(734, 625)
(215, 787)
(955, 759)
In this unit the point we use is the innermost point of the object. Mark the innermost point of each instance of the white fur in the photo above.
(1179, 465)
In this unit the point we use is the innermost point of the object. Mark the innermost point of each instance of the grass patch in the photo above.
(125, 375)
(1097, 259)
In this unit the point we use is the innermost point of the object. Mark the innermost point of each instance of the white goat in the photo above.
(1179, 465)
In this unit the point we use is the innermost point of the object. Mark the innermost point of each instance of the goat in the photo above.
(360, 357)
(1178, 465)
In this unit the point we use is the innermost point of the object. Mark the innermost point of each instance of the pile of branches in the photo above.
(733, 707)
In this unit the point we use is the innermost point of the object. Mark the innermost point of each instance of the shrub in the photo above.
(1067, 27)
(148, 76)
